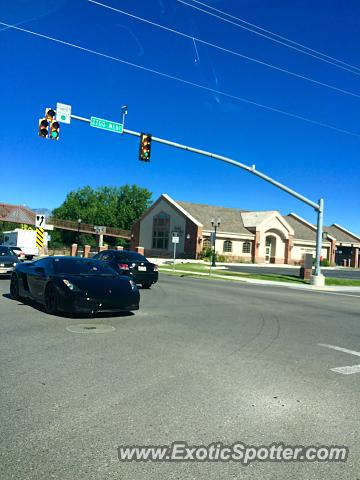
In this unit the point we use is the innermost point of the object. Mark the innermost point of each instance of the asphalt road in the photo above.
(202, 361)
(279, 270)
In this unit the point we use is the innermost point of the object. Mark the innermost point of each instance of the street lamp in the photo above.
(78, 235)
(215, 224)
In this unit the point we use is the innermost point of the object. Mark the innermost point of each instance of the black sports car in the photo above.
(74, 285)
(132, 264)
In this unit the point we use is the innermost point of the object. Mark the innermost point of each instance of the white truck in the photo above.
(25, 239)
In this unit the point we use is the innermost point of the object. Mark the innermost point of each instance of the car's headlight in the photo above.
(14, 264)
(133, 285)
(71, 286)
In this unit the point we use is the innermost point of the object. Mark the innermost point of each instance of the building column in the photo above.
(135, 235)
(332, 252)
(73, 250)
(101, 249)
(140, 250)
(288, 248)
(255, 249)
(199, 242)
(355, 257)
(86, 251)
(119, 247)
(191, 243)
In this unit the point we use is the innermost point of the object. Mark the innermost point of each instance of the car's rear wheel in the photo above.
(146, 284)
(14, 287)
(51, 299)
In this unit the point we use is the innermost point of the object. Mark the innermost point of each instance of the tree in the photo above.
(117, 207)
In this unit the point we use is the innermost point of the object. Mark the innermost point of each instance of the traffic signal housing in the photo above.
(54, 125)
(145, 147)
(54, 130)
(43, 130)
(45, 123)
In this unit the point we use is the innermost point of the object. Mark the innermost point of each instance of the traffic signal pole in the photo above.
(316, 279)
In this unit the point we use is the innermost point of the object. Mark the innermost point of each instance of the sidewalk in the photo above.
(299, 286)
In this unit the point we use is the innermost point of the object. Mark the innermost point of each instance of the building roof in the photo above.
(253, 219)
(231, 220)
(181, 209)
(17, 214)
(234, 220)
(341, 234)
(302, 229)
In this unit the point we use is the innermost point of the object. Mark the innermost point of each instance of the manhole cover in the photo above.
(90, 328)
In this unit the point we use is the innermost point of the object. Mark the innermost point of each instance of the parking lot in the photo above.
(201, 361)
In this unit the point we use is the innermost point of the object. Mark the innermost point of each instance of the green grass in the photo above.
(346, 282)
(201, 268)
(205, 268)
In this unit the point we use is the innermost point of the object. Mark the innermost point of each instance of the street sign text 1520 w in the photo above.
(106, 125)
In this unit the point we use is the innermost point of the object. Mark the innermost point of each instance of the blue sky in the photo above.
(314, 160)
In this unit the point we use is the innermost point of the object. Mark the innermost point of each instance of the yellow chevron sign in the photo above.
(39, 237)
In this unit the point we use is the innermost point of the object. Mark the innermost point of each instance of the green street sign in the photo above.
(106, 125)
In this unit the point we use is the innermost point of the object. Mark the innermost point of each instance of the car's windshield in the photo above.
(5, 251)
(73, 266)
(131, 257)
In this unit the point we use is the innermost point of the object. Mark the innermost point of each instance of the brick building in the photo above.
(250, 236)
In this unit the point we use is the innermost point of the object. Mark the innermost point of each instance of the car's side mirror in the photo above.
(40, 270)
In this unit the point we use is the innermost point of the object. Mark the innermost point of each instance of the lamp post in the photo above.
(78, 235)
(215, 224)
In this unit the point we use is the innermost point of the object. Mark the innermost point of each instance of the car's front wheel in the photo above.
(51, 299)
(14, 287)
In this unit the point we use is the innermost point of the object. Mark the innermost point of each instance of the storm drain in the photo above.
(90, 328)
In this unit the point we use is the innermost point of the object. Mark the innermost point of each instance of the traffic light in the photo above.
(43, 130)
(54, 130)
(49, 113)
(44, 123)
(145, 147)
(54, 125)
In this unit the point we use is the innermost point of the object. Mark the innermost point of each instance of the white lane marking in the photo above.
(337, 293)
(347, 370)
(344, 370)
(340, 349)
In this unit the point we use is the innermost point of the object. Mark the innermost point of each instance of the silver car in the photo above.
(8, 260)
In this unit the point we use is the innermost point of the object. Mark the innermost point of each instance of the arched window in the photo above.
(206, 243)
(161, 230)
(246, 247)
(228, 246)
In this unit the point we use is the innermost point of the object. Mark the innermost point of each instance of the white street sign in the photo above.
(63, 113)
(175, 239)
(40, 221)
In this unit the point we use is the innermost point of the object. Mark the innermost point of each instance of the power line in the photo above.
(277, 35)
(223, 49)
(301, 50)
(186, 82)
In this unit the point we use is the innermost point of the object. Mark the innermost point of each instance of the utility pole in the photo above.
(317, 279)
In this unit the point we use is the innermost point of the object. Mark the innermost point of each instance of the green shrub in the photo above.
(206, 254)
(325, 263)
